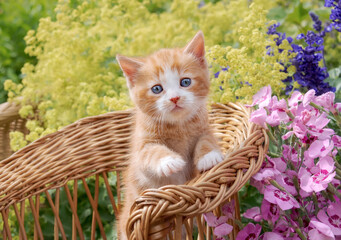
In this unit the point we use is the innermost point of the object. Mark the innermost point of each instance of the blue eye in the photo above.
(157, 89)
(185, 82)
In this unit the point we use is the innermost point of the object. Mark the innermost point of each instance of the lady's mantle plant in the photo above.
(300, 178)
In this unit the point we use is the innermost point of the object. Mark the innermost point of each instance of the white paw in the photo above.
(169, 165)
(209, 160)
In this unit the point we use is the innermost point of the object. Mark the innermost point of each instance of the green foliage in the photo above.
(249, 197)
(335, 80)
(16, 18)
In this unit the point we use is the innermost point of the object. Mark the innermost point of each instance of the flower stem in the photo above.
(338, 171)
(333, 190)
(337, 165)
(297, 185)
(289, 113)
(299, 232)
(337, 118)
(273, 155)
(317, 107)
(239, 223)
(315, 203)
(272, 137)
(276, 184)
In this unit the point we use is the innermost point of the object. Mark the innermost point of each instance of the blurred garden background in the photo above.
(57, 58)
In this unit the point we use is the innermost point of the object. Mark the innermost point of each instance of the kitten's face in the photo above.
(170, 85)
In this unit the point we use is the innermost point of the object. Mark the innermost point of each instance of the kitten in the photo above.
(171, 136)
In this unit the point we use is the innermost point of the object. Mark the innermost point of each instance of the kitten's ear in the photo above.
(129, 66)
(196, 46)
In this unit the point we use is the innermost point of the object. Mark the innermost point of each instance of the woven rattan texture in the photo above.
(99, 144)
(9, 121)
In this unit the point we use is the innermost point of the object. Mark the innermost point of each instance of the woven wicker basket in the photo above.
(94, 146)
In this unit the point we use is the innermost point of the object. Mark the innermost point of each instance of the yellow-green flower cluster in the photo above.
(250, 65)
(77, 74)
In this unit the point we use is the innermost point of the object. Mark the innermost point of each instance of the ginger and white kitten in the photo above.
(171, 137)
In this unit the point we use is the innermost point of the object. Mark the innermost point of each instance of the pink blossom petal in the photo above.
(324, 231)
(326, 100)
(270, 211)
(314, 234)
(333, 219)
(337, 141)
(282, 199)
(229, 209)
(320, 148)
(214, 221)
(252, 213)
(287, 135)
(249, 231)
(279, 164)
(222, 230)
(296, 96)
(210, 218)
(308, 97)
(259, 117)
(262, 97)
(272, 236)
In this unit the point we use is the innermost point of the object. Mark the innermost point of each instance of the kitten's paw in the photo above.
(169, 165)
(209, 160)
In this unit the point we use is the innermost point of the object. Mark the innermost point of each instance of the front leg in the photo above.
(207, 153)
(160, 161)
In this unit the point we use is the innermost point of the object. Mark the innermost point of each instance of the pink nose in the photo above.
(175, 99)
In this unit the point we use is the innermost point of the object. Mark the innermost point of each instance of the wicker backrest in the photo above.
(92, 148)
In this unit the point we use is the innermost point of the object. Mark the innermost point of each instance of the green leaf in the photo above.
(298, 15)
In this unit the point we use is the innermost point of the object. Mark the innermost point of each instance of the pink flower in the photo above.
(276, 117)
(286, 180)
(279, 164)
(337, 141)
(326, 100)
(280, 105)
(296, 96)
(229, 209)
(320, 178)
(333, 219)
(262, 97)
(221, 228)
(282, 199)
(265, 174)
(283, 228)
(308, 97)
(253, 213)
(299, 129)
(249, 232)
(320, 148)
(317, 124)
(289, 153)
(270, 211)
(272, 236)
(259, 116)
(320, 231)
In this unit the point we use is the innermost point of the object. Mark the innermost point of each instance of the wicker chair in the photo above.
(94, 146)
